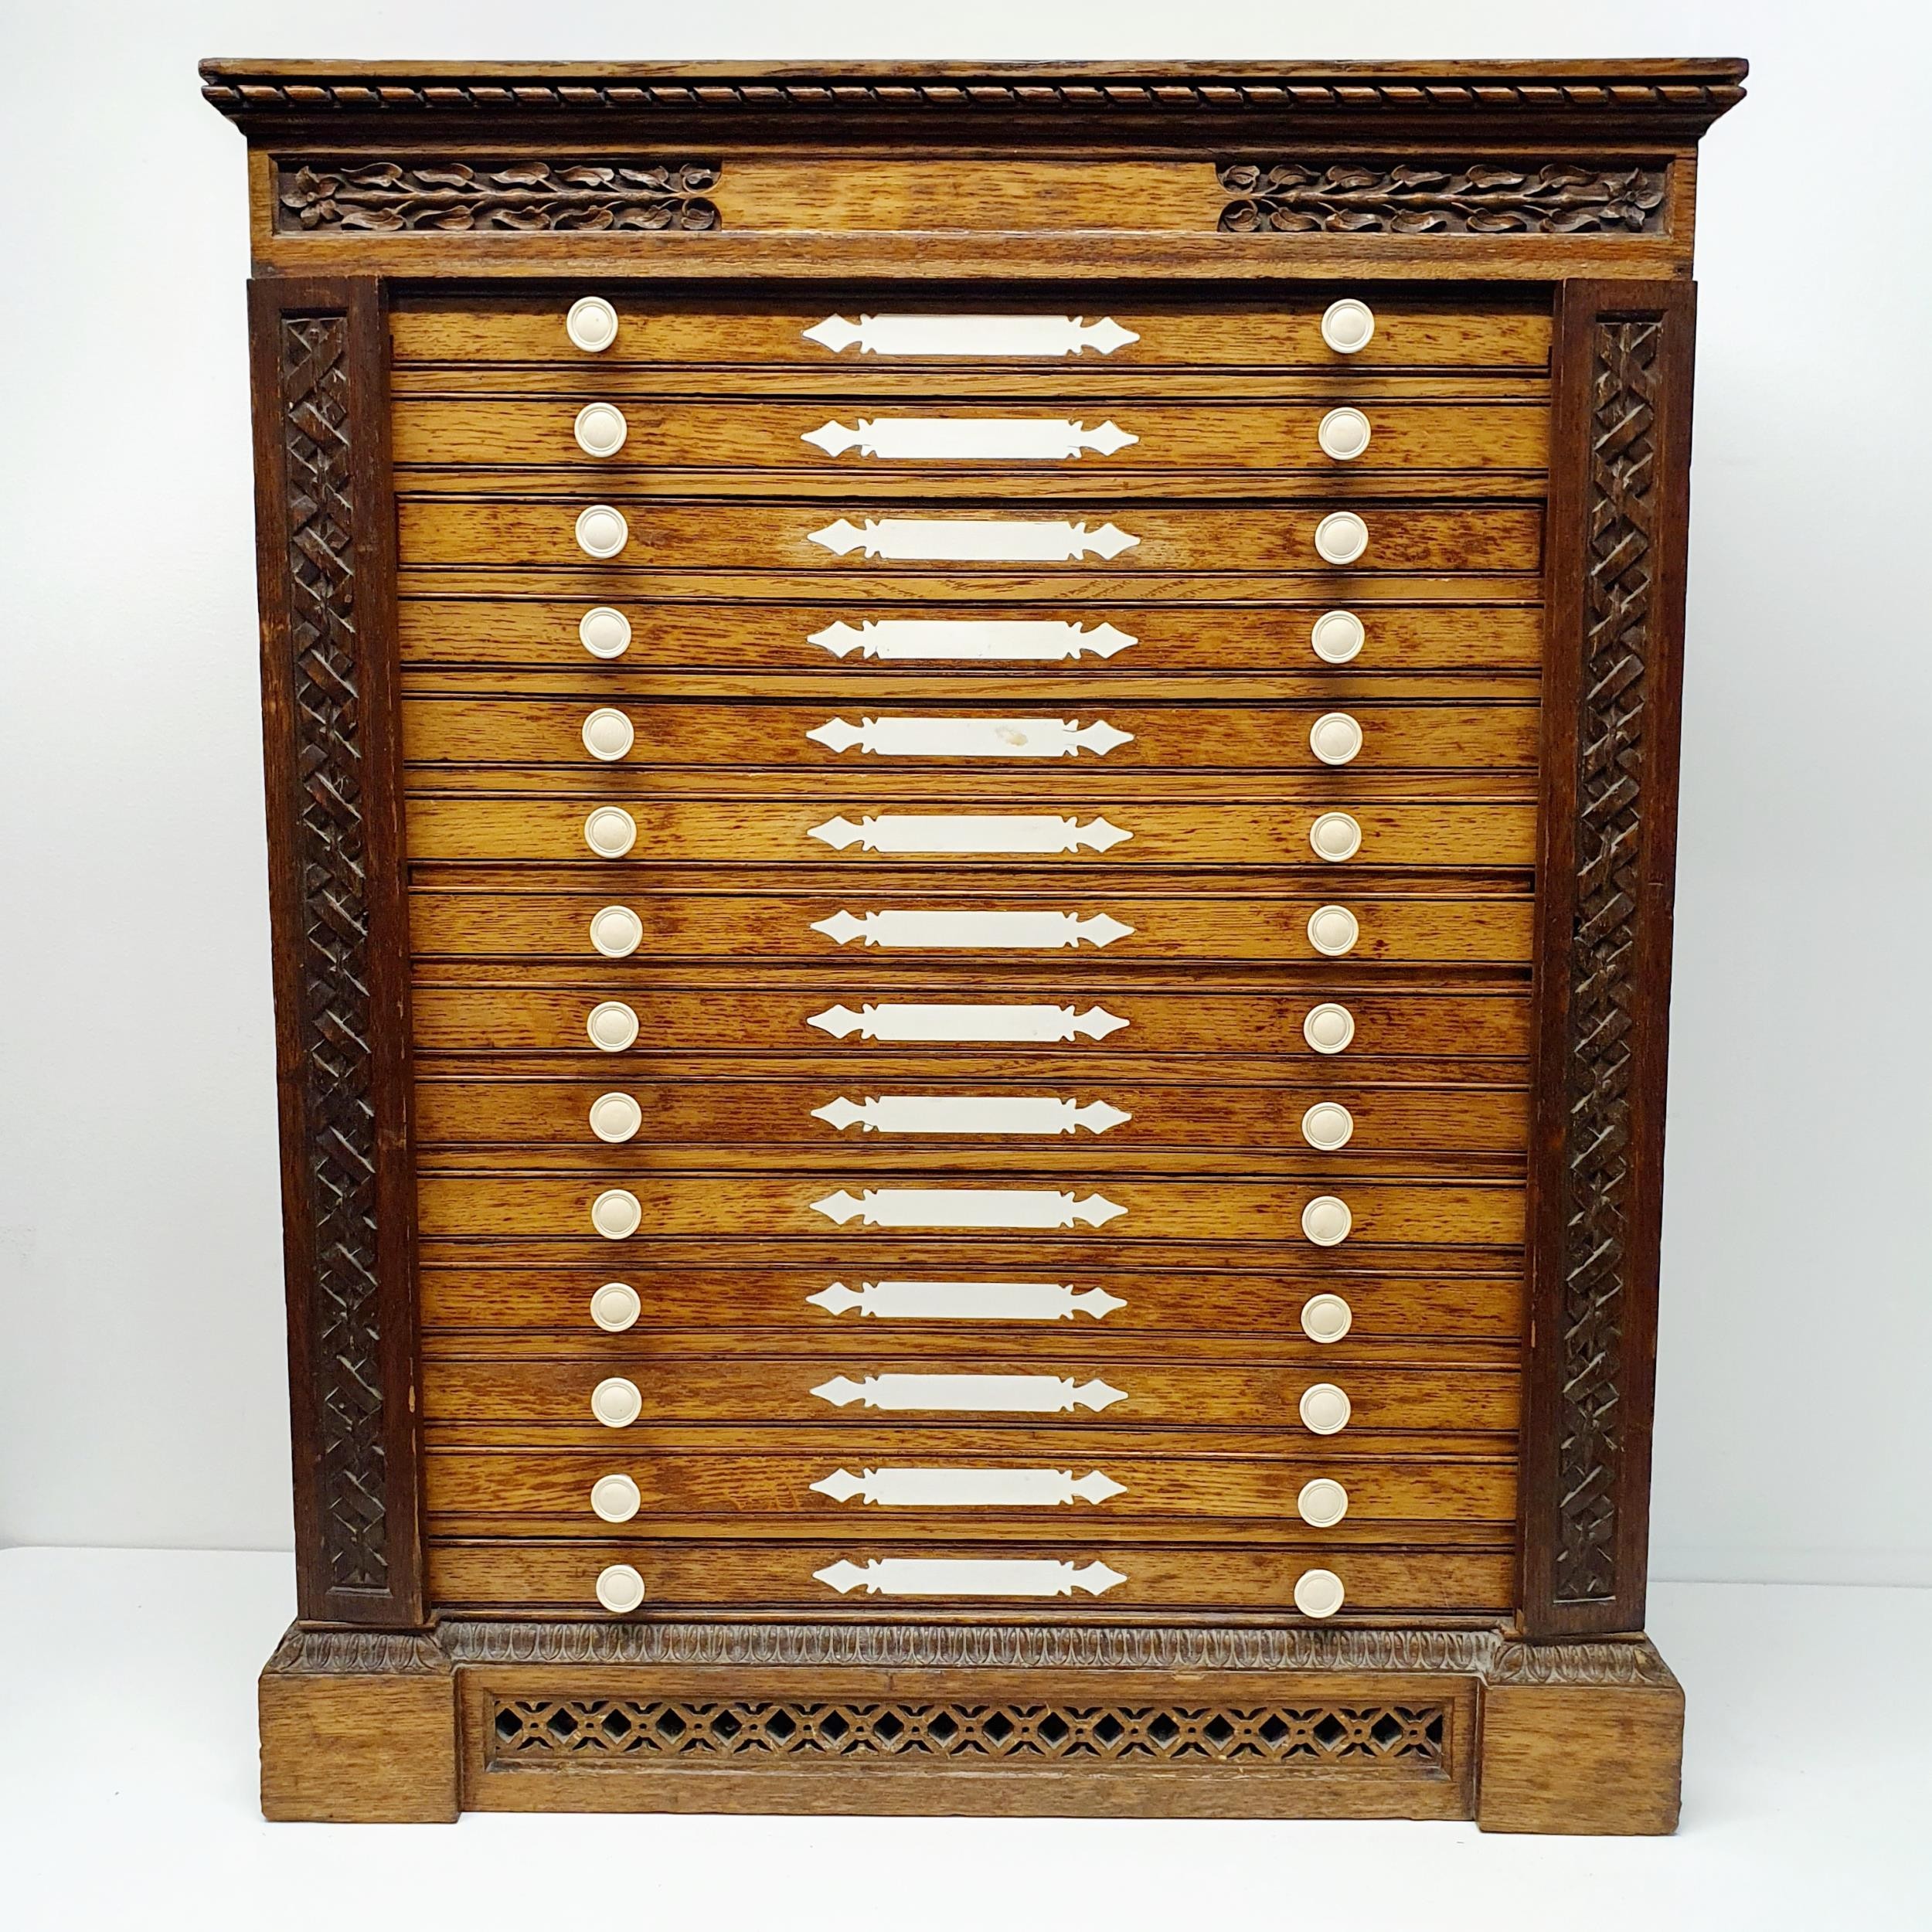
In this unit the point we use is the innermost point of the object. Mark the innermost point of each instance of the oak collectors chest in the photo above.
(971, 779)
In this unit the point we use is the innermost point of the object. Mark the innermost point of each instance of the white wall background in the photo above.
(141, 1373)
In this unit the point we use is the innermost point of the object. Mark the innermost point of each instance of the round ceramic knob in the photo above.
(601, 429)
(608, 735)
(616, 1213)
(612, 1026)
(1328, 1028)
(1325, 1409)
(1337, 636)
(1325, 1220)
(1317, 1592)
(616, 1402)
(1347, 325)
(615, 1306)
(615, 1117)
(602, 531)
(617, 932)
(1335, 737)
(1333, 930)
(616, 1499)
(592, 323)
(605, 633)
(1340, 537)
(1335, 835)
(621, 1588)
(1323, 1502)
(1326, 1318)
(1327, 1125)
(1342, 433)
(610, 831)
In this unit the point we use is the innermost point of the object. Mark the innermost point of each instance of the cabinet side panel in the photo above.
(325, 525)
(1619, 467)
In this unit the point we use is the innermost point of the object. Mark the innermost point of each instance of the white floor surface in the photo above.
(127, 1800)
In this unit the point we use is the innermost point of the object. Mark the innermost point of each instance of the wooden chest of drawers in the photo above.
(972, 780)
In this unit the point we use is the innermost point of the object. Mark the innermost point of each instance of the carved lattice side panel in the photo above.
(535, 1730)
(331, 861)
(1618, 639)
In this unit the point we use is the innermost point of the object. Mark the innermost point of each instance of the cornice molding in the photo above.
(1661, 100)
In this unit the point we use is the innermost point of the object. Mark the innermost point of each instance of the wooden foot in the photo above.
(1584, 1737)
(360, 1728)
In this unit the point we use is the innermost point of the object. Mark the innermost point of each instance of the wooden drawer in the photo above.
(522, 1199)
(999, 831)
(665, 331)
(896, 1301)
(1000, 735)
(693, 923)
(1024, 1120)
(560, 1577)
(747, 537)
(845, 1029)
(863, 438)
(1058, 1389)
(547, 1492)
(493, 624)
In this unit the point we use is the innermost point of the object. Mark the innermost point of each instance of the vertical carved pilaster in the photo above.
(328, 589)
(1615, 596)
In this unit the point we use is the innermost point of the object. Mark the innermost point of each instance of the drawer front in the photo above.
(691, 333)
(883, 924)
(560, 1578)
(955, 444)
(897, 1301)
(846, 1030)
(863, 1485)
(878, 733)
(984, 823)
(852, 537)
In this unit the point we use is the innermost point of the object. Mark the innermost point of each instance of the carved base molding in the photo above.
(1097, 1720)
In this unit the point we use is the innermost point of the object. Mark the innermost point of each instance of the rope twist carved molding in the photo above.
(337, 1082)
(1444, 198)
(522, 196)
(1626, 371)
(527, 1731)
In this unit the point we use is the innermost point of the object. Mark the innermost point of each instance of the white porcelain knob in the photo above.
(592, 323)
(1347, 325)
(602, 532)
(1325, 1409)
(1333, 930)
(1326, 1318)
(1342, 433)
(616, 1499)
(617, 932)
(615, 1307)
(1323, 1502)
(1335, 737)
(610, 831)
(612, 1026)
(1335, 836)
(601, 429)
(621, 1588)
(1337, 636)
(615, 1117)
(606, 633)
(616, 1402)
(1317, 1592)
(1326, 1221)
(1340, 537)
(608, 734)
(1327, 1125)
(616, 1213)
(1328, 1028)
